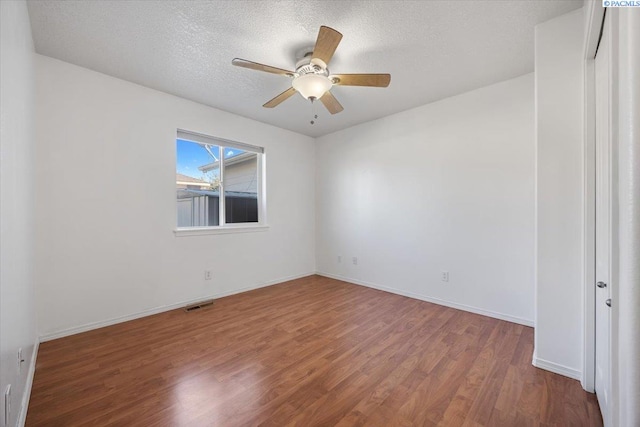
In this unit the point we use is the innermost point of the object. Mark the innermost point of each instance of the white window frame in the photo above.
(224, 228)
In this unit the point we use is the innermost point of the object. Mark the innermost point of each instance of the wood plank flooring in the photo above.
(309, 352)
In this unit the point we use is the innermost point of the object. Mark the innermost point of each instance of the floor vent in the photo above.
(198, 305)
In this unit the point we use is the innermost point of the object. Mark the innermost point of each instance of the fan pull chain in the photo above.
(313, 112)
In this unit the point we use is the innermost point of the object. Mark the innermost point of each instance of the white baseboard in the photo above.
(95, 325)
(24, 407)
(556, 368)
(463, 307)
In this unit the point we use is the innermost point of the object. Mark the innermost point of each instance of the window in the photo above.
(219, 183)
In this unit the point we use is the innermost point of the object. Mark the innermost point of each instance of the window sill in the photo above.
(227, 229)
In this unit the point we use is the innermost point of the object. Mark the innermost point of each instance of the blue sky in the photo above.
(191, 155)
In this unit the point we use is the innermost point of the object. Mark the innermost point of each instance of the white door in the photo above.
(603, 224)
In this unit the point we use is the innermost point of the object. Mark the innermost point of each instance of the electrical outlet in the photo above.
(355, 260)
(339, 259)
(445, 276)
(7, 405)
(207, 275)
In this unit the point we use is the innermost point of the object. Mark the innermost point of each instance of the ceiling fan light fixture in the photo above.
(312, 85)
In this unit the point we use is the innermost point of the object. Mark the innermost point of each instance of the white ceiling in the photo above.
(433, 49)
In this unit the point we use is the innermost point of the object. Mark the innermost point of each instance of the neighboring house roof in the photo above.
(228, 161)
(188, 180)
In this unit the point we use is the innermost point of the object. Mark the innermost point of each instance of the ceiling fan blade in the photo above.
(326, 44)
(332, 104)
(260, 67)
(374, 80)
(280, 98)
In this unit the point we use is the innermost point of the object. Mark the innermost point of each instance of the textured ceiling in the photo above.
(433, 49)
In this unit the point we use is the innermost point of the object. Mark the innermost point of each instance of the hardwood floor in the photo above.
(310, 352)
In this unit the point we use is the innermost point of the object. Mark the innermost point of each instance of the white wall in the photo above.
(446, 186)
(106, 207)
(17, 300)
(559, 182)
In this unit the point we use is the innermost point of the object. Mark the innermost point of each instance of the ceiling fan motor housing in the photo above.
(312, 69)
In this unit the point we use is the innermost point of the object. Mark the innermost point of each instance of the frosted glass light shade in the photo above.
(312, 85)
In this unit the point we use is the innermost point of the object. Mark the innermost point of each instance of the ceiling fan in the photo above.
(312, 78)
